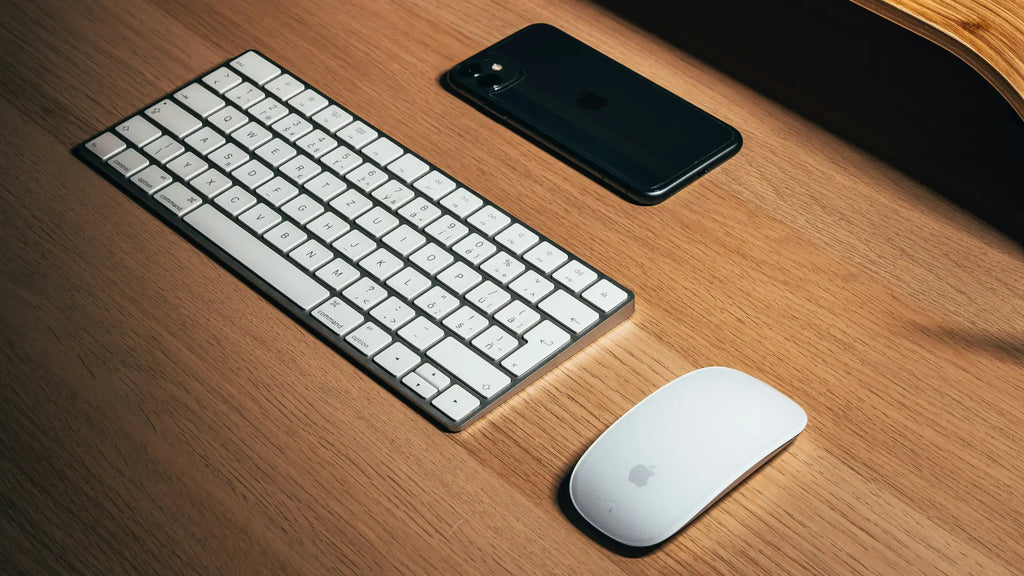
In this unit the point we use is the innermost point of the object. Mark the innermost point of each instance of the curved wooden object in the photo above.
(986, 34)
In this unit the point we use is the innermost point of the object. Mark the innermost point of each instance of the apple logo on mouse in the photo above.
(640, 474)
(590, 100)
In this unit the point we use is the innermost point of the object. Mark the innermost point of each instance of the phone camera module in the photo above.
(472, 69)
(490, 81)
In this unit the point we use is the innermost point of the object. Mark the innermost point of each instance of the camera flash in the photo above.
(496, 67)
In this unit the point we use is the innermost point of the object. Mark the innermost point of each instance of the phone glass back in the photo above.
(626, 130)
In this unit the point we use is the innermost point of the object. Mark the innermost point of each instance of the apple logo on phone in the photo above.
(590, 100)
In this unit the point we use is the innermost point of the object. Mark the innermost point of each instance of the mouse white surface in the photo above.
(678, 451)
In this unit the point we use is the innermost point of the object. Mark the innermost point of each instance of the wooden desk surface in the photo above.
(156, 415)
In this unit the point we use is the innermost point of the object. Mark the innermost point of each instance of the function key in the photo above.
(408, 168)
(332, 118)
(284, 86)
(309, 102)
(575, 276)
(256, 67)
(105, 145)
(605, 295)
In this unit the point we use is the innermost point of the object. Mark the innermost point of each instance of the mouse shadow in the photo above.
(564, 501)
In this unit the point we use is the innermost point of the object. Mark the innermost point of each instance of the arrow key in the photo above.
(456, 402)
(397, 359)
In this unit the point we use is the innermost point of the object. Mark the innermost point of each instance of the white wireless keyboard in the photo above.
(433, 290)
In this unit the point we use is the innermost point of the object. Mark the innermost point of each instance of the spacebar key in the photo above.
(257, 256)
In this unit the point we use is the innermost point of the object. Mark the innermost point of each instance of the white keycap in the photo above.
(437, 302)
(605, 295)
(517, 238)
(275, 152)
(392, 313)
(311, 255)
(351, 204)
(338, 274)
(151, 178)
(187, 166)
(517, 317)
(377, 222)
(447, 230)
(489, 220)
(404, 240)
(355, 245)
(273, 268)
(474, 248)
(284, 86)
(325, 186)
(128, 162)
(199, 99)
(308, 102)
(546, 257)
(569, 311)
(433, 376)
(469, 367)
(332, 118)
(382, 151)
(252, 173)
(365, 293)
(227, 119)
(367, 176)
(338, 316)
(228, 156)
(462, 202)
(173, 118)
(164, 149)
(205, 140)
(531, 286)
(419, 212)
(328, 226)
(244, 95)
(260, 218)
(285, 236)
(417, 384)
(222, 80)
(381, 264)
(300, 169)
(541, 344)
(575, 276)
(138, 130)
(495, 342)
(292, 127)
(357, 134)
(460, 277)
(252, 135)
(277, 191)
(368, 338)
(455, 402)
(256, 67)
(105, 145)
(268, 111)
(466, 322)
(431, 258)
(409, 283)
(236, 200)
(408, 168)
(302, 208)
(488, 296)
(341, 160)
(210, 183)
(393, 194)
(397, 359)
(316, 143)
(435, 185)
(503, 267)
(179, 199)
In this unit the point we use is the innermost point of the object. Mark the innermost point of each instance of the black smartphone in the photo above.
(626, 131)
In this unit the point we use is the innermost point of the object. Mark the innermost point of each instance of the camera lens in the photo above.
(489, 81)
(472, 69)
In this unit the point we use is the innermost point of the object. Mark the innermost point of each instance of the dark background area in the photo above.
(883, 88)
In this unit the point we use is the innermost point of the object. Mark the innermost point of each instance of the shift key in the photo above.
(465, 365)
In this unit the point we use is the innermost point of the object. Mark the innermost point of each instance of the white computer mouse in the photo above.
(678, 451)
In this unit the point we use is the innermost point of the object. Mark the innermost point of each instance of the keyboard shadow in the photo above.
(867, 80)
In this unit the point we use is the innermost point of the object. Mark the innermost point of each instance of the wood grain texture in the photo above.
(987, 34)
(157, 416)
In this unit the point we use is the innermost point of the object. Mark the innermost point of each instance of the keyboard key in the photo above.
(433, 376)
(404, 240)
(357, 134)
(292, 127)
(462, 202)
(268, 111)
(569, 311)
(338, 316)
(408, 168)
(354, 245)
(605, 295)
(495, 342)
(316, 143)
(474, 248)
(228, 157)
(409, 283)
(435, 185)
(575, 276)
(277, 191)
(244, 95)
(222, 79)
(460, 277)
(151, 178)
(455, 402)
(466, 322)
(275, 152)
(421, 333)
(367, 176)
(300, 169)
(419, 212)
(273, 268)
(164, 149)
(546, 257)
(377, 222)
(437, 302)
(256, 67)
(365, 293)
(308, 102)
(187, 166)
(199, 99)
(392, 314)
(211, 183)
(338, 274)
(227, 119)
(393, 194)
(285, 236)
(138, 130)
(105, 145)
(332, 118)
(531, 286)
(417, 384)
(128, 162)
(489, 220)
(517, 238)
(382, 151)
(253, 173)
(503, 267)
(542, 343)
(328, 226)
(517, 317)
(284, 86)
(381, 264)
(488, 297)
(368, 339)
(397, 359)
(341, 160)
(469, 367)
(325, 186)
(260, 218)
(173, 118)
(431, 258)
(236, 200)
(311, 255)
(204, 140)
(351, 204)
(447, 230)
(178, 199)
(252, 135)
